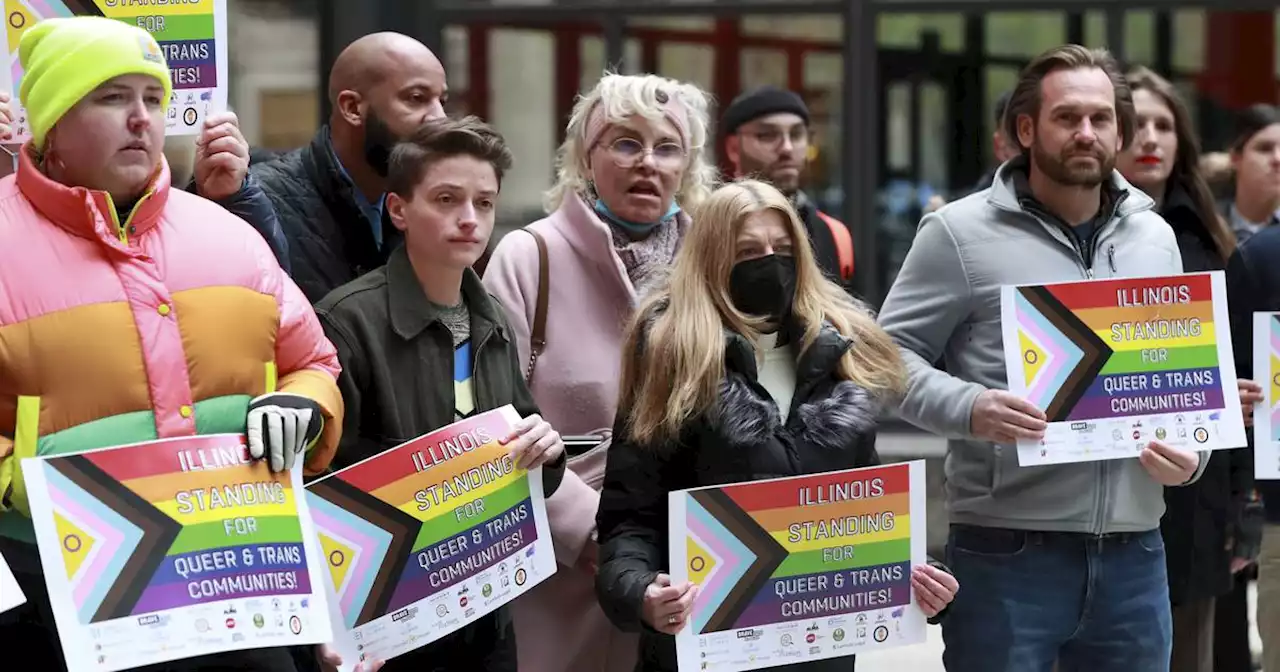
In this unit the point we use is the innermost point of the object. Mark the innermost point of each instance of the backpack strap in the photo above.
(538, 333)
(844, 244)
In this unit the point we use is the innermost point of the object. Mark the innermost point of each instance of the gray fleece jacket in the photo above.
(946, 302)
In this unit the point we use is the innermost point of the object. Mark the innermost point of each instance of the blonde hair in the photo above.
(623, 96)
(673, 360)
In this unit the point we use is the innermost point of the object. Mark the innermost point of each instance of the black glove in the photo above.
(280, 426)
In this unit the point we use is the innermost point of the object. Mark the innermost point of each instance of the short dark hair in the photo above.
(1026, 96)
(1252, 120)
(442, 139)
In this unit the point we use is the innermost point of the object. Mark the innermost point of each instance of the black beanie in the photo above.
(756, 103)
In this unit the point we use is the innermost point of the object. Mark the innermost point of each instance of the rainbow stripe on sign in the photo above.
(191, 35)
(186, 32)
(1093, 350)
(166, 524)
(421, 518)
(763, 556)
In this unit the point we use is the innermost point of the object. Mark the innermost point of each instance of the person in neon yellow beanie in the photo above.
(131, 311)
(98, 61)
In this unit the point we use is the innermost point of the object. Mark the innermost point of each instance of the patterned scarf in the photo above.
(647, 259)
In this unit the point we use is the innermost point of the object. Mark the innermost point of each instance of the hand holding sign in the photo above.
(1169, 466)
(534, 443)
(6, 117)
(1250, 394)
(934, 588)
(666, 607)
(330, 661)
(222, 157)
(1004, 417)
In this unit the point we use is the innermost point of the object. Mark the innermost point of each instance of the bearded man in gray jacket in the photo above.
(1062, 562)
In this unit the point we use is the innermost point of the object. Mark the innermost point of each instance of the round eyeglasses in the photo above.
(629, 152)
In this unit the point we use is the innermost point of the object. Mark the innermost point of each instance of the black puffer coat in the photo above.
(330, 241)
(831, 427)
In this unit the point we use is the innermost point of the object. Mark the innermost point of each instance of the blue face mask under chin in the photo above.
(607, 214)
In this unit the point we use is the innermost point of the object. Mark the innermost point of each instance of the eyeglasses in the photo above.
(628, 153)
(772, 137)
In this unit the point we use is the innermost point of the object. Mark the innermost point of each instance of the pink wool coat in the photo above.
(559, 625)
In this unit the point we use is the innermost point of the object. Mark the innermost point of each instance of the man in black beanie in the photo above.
(765, 134)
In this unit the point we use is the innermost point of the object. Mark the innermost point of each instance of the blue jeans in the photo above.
(1026, 599)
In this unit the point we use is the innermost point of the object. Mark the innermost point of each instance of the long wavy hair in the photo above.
(1186, 172)
(673, 361)
(623, 96)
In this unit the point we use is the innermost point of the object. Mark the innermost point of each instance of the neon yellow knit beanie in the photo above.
(63, 60)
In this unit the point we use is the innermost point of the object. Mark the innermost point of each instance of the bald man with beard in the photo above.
(329, 194)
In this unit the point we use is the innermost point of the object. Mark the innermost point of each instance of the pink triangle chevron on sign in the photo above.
(1274, 383)
(94, 542)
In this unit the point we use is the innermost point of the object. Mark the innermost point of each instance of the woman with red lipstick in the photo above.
(1164, 161)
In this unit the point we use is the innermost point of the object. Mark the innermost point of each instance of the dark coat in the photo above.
(1253, 285)
(831, 427)
(1200, 518)
(330, 241)
(397, 384)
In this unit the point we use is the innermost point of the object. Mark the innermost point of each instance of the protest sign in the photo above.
(799, 569)
(1266, 415)
(1117, 363)
(193, 42)
(10, 593)
(429, 536)
(172, 549)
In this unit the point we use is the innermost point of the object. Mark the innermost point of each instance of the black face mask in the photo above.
(378, 141)
(764, 287)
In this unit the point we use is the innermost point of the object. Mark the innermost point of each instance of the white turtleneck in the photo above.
(777, 374)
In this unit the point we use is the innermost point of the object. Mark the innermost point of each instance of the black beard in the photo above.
(378, 142)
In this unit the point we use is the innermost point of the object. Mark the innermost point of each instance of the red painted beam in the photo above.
(568, 75)
(795, 69)
(727, 77)
(479, 98)
(686, 36)
(1239, 59)
(648, 54)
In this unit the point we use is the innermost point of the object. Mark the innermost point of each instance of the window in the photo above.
(905, 31)
(1140, 37)
(1024, 34)
(1189, 35)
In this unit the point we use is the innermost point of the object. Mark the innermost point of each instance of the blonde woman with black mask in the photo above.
(748, 364)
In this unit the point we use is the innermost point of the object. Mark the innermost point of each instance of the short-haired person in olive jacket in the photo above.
(748, 365)
(423, 345)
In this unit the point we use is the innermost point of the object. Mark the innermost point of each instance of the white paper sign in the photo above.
(10, 594)
(430, 536)
(1120, 362)
(1266, 415)
(174, 549)
(799, 569)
